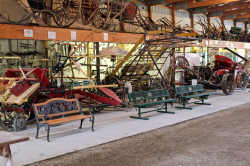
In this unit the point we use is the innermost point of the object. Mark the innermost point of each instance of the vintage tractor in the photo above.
(225, 74)
(222, 74)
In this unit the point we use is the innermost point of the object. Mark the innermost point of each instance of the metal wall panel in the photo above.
(182, 18)
(160, 11)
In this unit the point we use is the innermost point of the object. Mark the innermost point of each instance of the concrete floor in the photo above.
(219, 139)
(111, 126)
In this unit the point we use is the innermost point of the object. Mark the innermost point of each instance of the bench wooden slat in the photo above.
(66, 119)
(60, 114)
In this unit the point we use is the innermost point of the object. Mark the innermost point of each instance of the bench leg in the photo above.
(184, 105)
(202, 102)
(37, 131)
(139, 115)
(166, 110)
(81, 123)
(93, 123)
(48, 133)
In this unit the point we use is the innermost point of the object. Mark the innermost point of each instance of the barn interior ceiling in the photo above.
(225, 9)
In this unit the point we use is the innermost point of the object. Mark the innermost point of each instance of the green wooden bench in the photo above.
(149, 99)
(187, 92)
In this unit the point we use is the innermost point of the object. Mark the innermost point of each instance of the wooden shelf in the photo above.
(9, 31)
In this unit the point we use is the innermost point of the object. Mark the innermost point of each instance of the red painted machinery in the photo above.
(20, 88)
(225, 74)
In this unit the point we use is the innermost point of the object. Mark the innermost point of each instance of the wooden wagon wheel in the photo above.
(98, 20)
(65, 12)
(89, 9)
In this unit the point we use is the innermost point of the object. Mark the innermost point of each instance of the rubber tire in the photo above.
(227, 84)
(19, 122)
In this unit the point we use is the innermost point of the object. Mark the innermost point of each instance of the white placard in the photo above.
(106, 36)
(51, 35)
(73, 35)
(28, 33)
(194, 81)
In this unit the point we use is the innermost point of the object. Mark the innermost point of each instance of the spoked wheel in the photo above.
(89, 10)
(98, 20)
(242, 80)
(14, 121)
(19, 122)
(65, 12)
(227, 83)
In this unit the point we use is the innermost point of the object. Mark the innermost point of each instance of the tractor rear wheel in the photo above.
(227, 83)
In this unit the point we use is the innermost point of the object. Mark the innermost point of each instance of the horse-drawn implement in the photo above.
(101, 14)
(20, 88)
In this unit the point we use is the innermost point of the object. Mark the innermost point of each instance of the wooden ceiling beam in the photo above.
(240, 10)
(227, 7)
(174, 1)
(243, 16)
(161, 2)
(192, 4)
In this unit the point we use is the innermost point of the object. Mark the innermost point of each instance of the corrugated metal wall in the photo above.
(241, 25)
(228, 24)
(215, 21)
(160, 11)
(197, 28)
(143, 10)
(182, 18)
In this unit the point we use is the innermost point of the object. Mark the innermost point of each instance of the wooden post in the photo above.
(246, 28)
(235, 23)
(149, 11)
(222, 22)
(208, 20)
(191, 15)
(173, 15)
(88, 60)
(98, 63)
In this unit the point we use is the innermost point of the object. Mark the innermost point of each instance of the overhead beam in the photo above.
(162, 2)
(10, 31)
(242, 10)
(241, 19)
(243, 16)
(189, 4)
(228, 7)
(192, 4)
